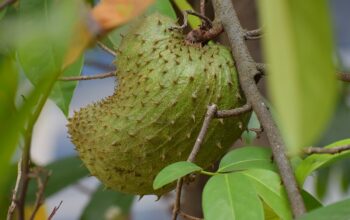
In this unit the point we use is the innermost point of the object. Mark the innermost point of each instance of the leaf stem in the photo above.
(208, 173)
(96, 76)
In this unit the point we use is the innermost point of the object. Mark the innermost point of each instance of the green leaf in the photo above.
(17, 35)
(247, 158)
(302, 80)
(64, 173)
(322, 182)
(2, 13)
(161, 6)
(316, 161)
(268, 185)
(336, 211)
(173, 172)
(231, 196)
(9, 133)
(45, 52)
(62, 92)
(104, 201)
(310, 201)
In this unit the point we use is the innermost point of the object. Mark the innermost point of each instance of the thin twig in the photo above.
(344, 77)
(54, 210)
(261, 67)
(207, 21)
(97, 76)
(6, 3)
(202, 7)
(188, 217)
(321, 150)
(246, 67)
(105, 48)
(13, 205)
(208, 117)
(253, 34)
(233, 112)
(185, 22)
(23, 185)
(191, 158)
(41, 188)
(177, 204)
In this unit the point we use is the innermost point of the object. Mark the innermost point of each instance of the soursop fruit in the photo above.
(155, 114)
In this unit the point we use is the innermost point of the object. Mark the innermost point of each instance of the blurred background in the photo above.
(50, 141)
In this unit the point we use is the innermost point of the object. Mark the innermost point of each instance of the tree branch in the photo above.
(321, 150)
(202, 7)
(344, 77)
(13, 205)
(54, 210)
(233, 112)
(253, 34)
(97, 76)
(42, 182)
(191, 158)
(105, 48)
(246, 71)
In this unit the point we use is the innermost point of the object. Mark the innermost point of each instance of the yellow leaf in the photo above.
(106, 16)
(109, 14)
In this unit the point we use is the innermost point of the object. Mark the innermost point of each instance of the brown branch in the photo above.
(54, 210)
(233, 112)
(188, 217)
(42, 182)
(253, 34)
(97, 76)
(202, 7)
(24, 178)
(261, 67)
(246, 67)
(105, 48)
(191, 158)
(177, 204)
(344, 77)
(203, 35)
(6, 3)
(185, 22)
(13, 204)
(321, 150)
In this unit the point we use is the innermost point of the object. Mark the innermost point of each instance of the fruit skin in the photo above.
(156, 112)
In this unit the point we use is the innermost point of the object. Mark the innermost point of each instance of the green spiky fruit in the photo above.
(157, 109)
